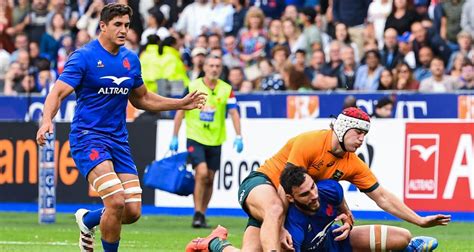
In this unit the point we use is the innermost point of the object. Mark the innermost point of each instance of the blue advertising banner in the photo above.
(284, 105)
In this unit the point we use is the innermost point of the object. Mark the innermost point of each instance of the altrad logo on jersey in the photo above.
(114, 90)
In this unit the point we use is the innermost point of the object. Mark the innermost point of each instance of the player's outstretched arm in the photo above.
(142, 99)
(51, 106)
(391, 204)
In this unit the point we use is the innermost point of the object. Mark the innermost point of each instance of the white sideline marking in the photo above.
(36, 243)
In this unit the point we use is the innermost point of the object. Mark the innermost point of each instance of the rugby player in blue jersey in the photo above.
(312, 213)
(105, 76)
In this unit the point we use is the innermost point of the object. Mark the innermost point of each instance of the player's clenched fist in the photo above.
(46, 127)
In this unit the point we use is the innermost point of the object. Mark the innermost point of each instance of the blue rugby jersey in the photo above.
(102, 82)
(305, 228)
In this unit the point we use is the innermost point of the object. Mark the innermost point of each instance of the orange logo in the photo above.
(466, 107)
(302, 106)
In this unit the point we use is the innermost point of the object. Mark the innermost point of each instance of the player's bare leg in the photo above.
(133, 197)
(379, 237)
(201, 193)
(110, 189)
(265, 205)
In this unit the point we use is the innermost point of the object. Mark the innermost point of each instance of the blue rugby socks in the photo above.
(110, 247)
(92, 218)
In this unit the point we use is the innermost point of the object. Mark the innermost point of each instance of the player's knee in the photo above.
(132, 215)
(405, 237)
(116, 202)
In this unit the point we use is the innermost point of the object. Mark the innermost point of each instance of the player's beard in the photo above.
(306, 208)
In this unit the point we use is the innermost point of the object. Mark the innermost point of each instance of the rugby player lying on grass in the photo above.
(311, 217)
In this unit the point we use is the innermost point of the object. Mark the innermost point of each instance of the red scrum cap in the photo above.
(351, 118)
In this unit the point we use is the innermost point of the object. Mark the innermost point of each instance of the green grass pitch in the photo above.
(20, 232)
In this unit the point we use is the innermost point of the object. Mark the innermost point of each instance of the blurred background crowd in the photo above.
(266, 45)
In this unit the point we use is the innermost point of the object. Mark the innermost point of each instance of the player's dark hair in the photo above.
(110, 11)
(292, 176)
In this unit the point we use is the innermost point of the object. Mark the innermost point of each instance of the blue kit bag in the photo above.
(170, 174)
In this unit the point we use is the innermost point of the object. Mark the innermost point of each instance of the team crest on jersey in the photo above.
(126, 63)
(100, 64)
(337, 175)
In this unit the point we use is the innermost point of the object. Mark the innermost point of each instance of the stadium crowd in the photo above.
(270, 45)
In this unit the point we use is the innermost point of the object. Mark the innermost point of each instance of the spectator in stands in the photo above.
(316, 64)
(383, 108)
(6, 26)
(390, 54)
(214, 41)
(236, 78)
(82, 38)
(271, 79)
(36, 57)
(404, 78)
(272, 9)
(275, 36)
(464, 41)
(154, 26)
(342, 35)
(231, 54)
(347, 72)
(327, 78)
(431, 40)
(402, 16)
(386, 81)
(201, 41)
(377, 16)
(280, 54)
(423, 71)
(311, 33)
(21, 43)
(467, 77)
(368, 75)
(198, 56)
(295, 80)
(451, 22)
(467, 17)
(459, 62)
(4, 65)
(195, 19)
(221, 17)
(60, 6)
(252, 38)
(238, 19)
(20, 8)
(90, 20)
(405, 49)
(300, 63)
(34, 22)
(51, 40)
(247, 87)
(354, 15)
(290, 12)
(13, 79)
(67, 47)
(439, 82)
